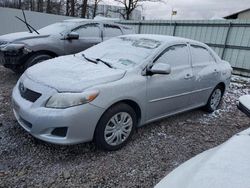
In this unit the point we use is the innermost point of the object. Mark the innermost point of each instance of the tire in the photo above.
(36, 58)
(107, 133)
(17, 70)
(214, 99)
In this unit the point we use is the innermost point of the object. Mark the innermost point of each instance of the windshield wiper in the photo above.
(26, 23)
(97, 60)
(92, 61)
(106, 63)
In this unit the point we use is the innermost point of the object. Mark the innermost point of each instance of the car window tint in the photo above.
(175, 56)
(111, 30)
(201, 55)
(88, 30)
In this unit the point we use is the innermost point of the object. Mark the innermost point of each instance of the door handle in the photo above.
(188, 76)
(216, 71)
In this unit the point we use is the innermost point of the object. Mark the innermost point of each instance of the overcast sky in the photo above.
(193, 9)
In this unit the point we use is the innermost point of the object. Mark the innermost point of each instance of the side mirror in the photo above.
(160, 68)
(72, 35)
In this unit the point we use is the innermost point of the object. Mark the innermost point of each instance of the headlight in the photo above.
(66, 100)
(13, 47)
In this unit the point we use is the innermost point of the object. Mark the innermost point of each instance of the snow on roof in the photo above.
(77, 20)
(238, 12)
(101, 18)
(162, 38)
(91, 20)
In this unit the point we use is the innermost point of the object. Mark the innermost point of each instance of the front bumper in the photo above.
(39, 121)
(11, 60)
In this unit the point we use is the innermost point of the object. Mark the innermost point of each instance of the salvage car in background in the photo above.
(18, 51)
(244, 104)
(106, 91)
(225, 166)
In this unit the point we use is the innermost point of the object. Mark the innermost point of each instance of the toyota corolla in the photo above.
(105, 92)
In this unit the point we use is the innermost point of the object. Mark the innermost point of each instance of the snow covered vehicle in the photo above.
(18, 51)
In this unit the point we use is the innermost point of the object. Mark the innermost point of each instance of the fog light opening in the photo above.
(61, 131)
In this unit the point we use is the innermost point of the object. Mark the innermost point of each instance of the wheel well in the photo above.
(52, 54)
(222, 86)
(133, 105)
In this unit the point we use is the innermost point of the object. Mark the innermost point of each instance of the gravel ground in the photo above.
(154, 151)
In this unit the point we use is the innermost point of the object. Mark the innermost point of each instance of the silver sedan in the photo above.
(105, 92)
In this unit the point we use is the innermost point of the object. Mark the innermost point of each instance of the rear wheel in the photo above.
(115, 127)
(214, 99)
(36, 58)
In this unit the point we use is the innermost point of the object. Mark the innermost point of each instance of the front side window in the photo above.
(111, 30)
(201, 56)
(175, 56)
(88, 30)
(59, 27)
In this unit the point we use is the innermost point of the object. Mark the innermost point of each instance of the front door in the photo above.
(89, 35)
(167, 94)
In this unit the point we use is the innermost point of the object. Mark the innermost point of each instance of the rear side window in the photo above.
(111, 30)
(201, 55)
(175, 56)
(88, 30)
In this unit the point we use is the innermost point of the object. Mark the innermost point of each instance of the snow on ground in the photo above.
(237, 88)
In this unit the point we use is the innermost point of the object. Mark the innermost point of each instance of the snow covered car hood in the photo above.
(225, 166)
(72, 73)
(13, 37)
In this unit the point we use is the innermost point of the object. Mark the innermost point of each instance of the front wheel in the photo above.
(115, 127)
(36, 58)
(214, 99)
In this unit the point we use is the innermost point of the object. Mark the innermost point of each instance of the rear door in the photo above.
(110, 31)
(205, 71)
(168, 94)
(89, 35)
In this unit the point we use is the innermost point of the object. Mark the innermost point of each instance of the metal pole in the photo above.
(226, 40)
(171, 17)
(139, 28)
(174, 29)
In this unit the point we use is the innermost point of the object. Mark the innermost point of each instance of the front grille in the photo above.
(28, 94)
(2, 61)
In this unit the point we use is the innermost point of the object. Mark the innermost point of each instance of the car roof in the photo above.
(163, 38)
(82, 20)
(79, 20)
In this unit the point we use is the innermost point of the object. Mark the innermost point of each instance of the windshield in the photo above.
(55, 28)
(123, 52)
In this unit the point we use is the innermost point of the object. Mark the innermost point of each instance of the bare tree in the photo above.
(72, 7)
(84, 8)
(48, 7)
(40, 5)
(67, 7)
(96, 2)
(129, 6)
